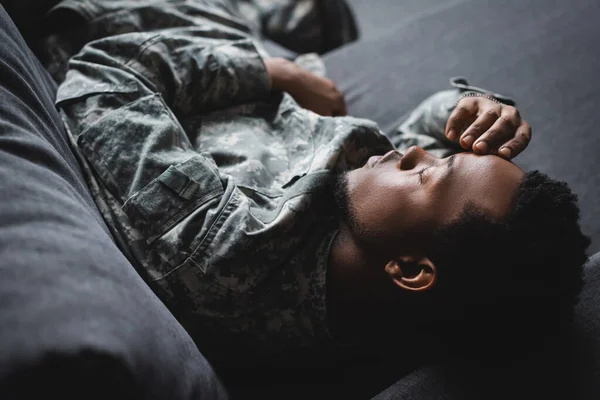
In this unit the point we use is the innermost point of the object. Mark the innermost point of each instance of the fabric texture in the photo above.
(301, 26)
(287, 26)
(75, 317)
(219, 189)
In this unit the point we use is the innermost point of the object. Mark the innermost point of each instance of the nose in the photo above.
(414, 156)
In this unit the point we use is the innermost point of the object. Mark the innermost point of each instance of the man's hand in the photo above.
(312, 92)
(488, 127)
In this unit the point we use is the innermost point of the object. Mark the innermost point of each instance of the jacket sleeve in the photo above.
(121, 104)
(195, 71)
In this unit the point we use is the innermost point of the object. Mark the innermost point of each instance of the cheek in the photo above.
(388, 203)
(375, 189)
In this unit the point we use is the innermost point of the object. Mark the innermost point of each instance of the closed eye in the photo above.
(421, 172)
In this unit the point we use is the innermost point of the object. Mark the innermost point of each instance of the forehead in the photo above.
(490, 182)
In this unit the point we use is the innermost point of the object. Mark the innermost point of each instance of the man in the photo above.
(266, 222)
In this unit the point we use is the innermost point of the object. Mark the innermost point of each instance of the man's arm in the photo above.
(122, 99)
(310, 91)
(120, 103)
(193, 71)
(452, 121)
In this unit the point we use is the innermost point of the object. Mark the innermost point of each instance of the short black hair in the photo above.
(513, 278)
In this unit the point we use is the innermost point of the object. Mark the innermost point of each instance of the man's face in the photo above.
(397, 201)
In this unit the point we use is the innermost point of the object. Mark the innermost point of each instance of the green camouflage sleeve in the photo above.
(121, 101)
(302, 26)
(193, 71)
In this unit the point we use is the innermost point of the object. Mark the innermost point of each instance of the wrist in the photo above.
(282, 73)
(476, 94)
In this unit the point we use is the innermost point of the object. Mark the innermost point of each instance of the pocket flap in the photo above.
(76, 88)
(179, 182)
(174, 195)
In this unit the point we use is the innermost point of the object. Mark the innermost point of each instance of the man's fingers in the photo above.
(502, 130)
(499, 133)
(479, 126)
(497, 130)
(513, 147)
(461, 117)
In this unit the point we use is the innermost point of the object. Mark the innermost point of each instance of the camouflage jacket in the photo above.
(300, 26)
(216, 188)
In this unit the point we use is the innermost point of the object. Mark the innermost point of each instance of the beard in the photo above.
(346, 212)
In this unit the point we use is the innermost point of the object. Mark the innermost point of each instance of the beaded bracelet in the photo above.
(475, 94)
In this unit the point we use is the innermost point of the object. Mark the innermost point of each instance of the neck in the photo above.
(355, 289)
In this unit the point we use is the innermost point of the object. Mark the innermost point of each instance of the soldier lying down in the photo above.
(268, 220)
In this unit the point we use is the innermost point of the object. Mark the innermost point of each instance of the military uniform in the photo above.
(216, 188)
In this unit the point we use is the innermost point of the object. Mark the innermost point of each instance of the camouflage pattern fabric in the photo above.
(216, 188)
(301, 25)
(304, 26)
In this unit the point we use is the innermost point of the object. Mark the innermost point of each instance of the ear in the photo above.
(399, 272)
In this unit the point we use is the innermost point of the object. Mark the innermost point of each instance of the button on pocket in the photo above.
(173, 195)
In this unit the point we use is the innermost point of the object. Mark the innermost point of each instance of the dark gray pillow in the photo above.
(75, 317)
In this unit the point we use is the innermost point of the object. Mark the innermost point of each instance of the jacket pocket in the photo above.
(173, 195)
(143, 157)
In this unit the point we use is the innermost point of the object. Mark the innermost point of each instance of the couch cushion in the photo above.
(72, 309)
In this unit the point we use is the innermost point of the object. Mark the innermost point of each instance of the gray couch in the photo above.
(76, 320)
